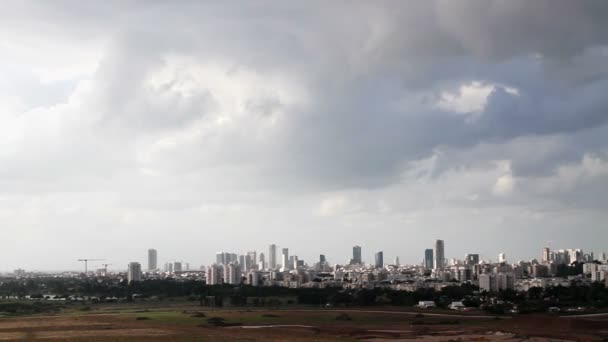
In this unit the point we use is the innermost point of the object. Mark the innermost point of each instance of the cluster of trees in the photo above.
(28, 308)
(537, 299)
(101, 287)
(195, 290)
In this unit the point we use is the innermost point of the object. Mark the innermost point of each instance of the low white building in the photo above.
(457, 306)
(597, 271)
(426, 304)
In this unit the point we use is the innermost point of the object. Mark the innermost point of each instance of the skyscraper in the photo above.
(152, 259)
(262, 261)
(251, 261)
(134, 273)
(295, 262)
(379, 259)
(439, 257)
(428, 258)
(215, 274)
(272, 256)
(357, 255)
(546, 254)
(219, 258)
(322, 258)
(502, 257)
(232, 274)
(285, 259)
(471, 259)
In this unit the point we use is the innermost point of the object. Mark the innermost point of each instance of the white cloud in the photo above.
(333, 205)
(470, 98)
(504, 185)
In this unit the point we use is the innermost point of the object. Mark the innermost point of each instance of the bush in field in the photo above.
(270, 315)
(343, 317)
(216, 321)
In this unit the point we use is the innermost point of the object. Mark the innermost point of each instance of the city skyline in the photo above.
(369, 258)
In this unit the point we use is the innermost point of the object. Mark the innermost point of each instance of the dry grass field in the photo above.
(192, 324)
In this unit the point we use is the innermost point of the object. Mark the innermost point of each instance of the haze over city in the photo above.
(314, 125)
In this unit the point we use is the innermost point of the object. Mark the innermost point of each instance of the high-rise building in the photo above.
(357, 255)
(232, 274)
(379, 258)
(152, 259)
(322, 258)
(574, 255)
(502, 257)
(272, 256)
(177, 266)
(262, 261)
(253, 278)
(285, 259)
(215, 274)
(428, 258)
(397, 261)
(439, 257)
(546, 254)
(295, 262)
(134, 272)
(169, 267)
(471, 259)
(561, 257)
(251, 261)
(219, 258)
(494, 282)
(231, 257)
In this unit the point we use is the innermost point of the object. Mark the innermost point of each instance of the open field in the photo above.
(192, 323)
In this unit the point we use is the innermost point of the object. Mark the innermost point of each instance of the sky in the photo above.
(201, 126)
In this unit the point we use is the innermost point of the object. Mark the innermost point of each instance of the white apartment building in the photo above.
(494, 282)
(134, 272)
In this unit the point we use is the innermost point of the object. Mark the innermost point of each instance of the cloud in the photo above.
(245, 118)
(504, 185)
(333, 205)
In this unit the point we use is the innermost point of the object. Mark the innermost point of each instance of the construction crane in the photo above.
(86, 263)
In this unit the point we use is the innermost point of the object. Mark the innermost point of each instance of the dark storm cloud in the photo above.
(353, 126)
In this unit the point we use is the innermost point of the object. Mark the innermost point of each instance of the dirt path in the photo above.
(410, 313)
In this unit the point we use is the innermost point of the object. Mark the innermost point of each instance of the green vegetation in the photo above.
(17, 308)
(343, 317)
(91, 291)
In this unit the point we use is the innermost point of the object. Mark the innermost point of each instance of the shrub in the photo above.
(343, 317)
(270, 315)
